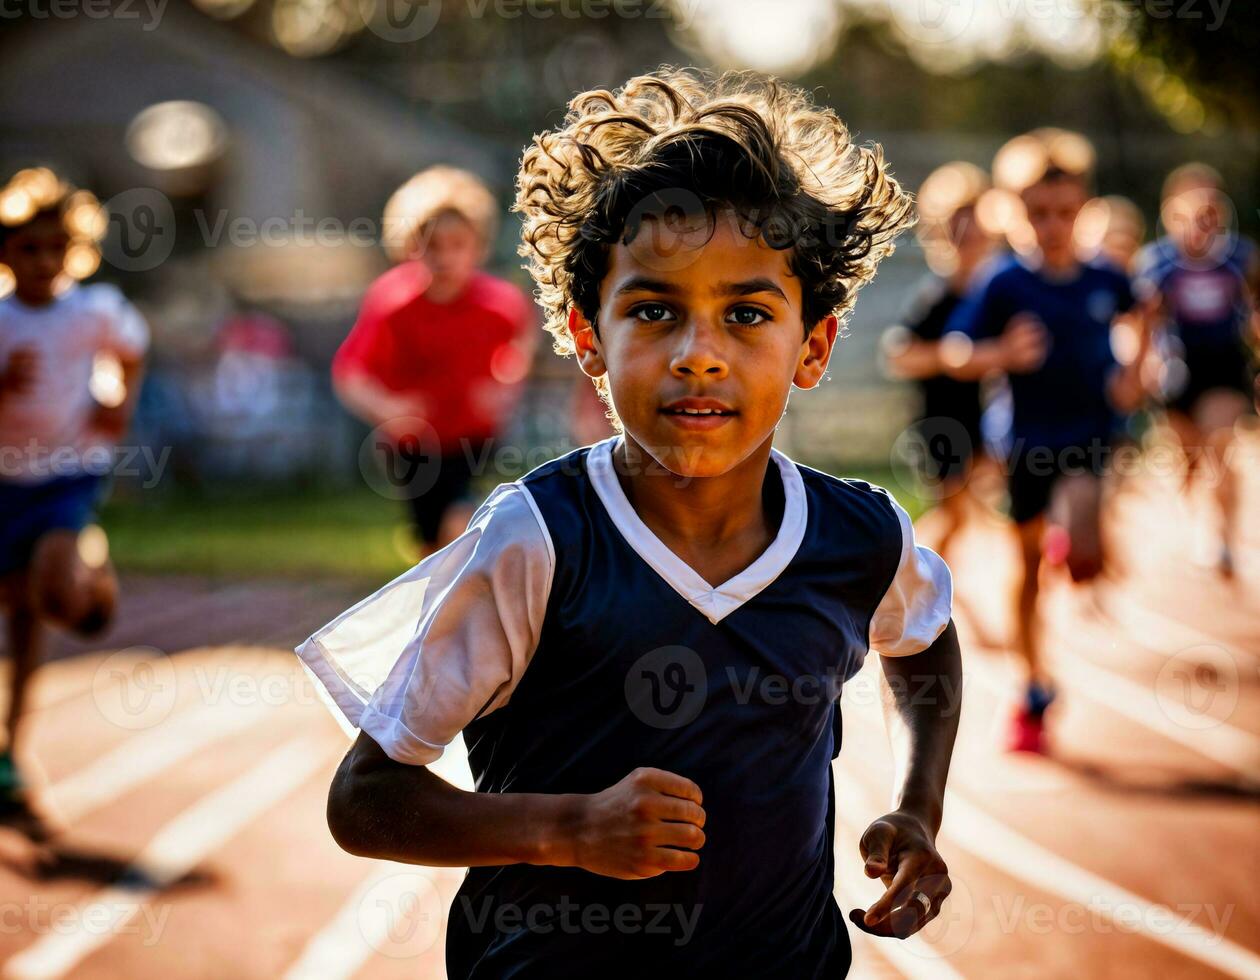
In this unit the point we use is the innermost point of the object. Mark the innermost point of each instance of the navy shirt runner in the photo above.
(612, 655)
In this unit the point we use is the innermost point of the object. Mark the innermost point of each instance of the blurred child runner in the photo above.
(948, 428)
(439, 350)
(1044, 318)
(61, 411)
(1203, 280)
(641, 641)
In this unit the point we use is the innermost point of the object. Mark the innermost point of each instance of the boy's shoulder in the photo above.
(498, 296)
(846, 489)
(1005, 272)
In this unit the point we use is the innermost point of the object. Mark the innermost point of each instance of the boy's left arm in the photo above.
(127, 340)
(922, 700)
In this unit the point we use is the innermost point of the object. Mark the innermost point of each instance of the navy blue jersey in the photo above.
(1064, 401)
(570, 647)
(929, 310)
(1205, 300)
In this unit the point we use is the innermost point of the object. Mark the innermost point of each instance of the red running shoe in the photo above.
(1027, 732)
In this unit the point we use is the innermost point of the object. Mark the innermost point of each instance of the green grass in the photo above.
(231, 532)
(307, 534)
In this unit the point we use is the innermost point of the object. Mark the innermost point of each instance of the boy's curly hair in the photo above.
(682, 138)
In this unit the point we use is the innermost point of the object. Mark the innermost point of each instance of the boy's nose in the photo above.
(699, 350)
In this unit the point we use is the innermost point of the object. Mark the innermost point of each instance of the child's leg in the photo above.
(1190, 441)
(1076, 503)
(1027, 639)
(1216, 414)
(71, 583)
(26, 641)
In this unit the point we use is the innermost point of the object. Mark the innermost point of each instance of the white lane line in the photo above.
(969, 827)
(1153, 629)
(396, 911)
(993, 842)
(368, 922)
(141, 757)
(1227, 745)
(1231, 747)
(170, 854)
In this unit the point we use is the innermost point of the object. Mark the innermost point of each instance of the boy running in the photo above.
(642, 640)
(439, 350)
(1044, 319)
(56, 438)
(1203, 280)
(948, 428)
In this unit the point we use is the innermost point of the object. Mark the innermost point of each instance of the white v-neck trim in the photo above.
(714, 603)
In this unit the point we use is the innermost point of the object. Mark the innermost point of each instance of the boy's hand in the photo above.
(19, 372)
(1024, 344)
(1125, 390)
(898, 850)
(643, 826)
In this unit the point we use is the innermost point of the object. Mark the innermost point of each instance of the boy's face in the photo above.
(971, 243)
(37, 255)
(689, 320)
(1051, 207)
(1195, 218)
(451, 249)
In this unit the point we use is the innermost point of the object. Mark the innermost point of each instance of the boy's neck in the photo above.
(35, 299)
(718, 523)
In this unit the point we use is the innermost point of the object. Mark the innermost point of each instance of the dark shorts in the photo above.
(450, 485)
(1034, 472)
(28, 511)
(1209, 371)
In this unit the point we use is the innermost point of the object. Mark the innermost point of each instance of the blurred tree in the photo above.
(1183, 52)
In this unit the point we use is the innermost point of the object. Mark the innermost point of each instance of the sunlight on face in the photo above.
(452, 250)
(702, 338)
(1051, 207)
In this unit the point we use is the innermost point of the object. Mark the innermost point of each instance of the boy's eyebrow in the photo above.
(746, 287)
(643, 284)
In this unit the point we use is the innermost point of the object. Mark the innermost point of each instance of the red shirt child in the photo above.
(440, 348)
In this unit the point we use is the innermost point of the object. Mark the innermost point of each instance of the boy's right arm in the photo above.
(1001, 338)
(648, 823)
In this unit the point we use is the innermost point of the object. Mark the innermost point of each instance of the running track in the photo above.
(194, 786)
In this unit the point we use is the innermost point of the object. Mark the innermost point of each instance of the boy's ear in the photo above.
(588, 354)
(816, 352)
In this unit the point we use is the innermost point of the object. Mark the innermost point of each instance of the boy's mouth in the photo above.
(698, 413)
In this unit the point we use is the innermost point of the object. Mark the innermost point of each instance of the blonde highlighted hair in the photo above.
(430, 194)
(691, 140)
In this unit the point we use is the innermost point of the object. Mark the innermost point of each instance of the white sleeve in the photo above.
(125, 328)
(917, 606)
(447, 641)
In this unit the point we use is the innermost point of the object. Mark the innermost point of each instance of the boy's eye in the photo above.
(652, 312)
(747, 316)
